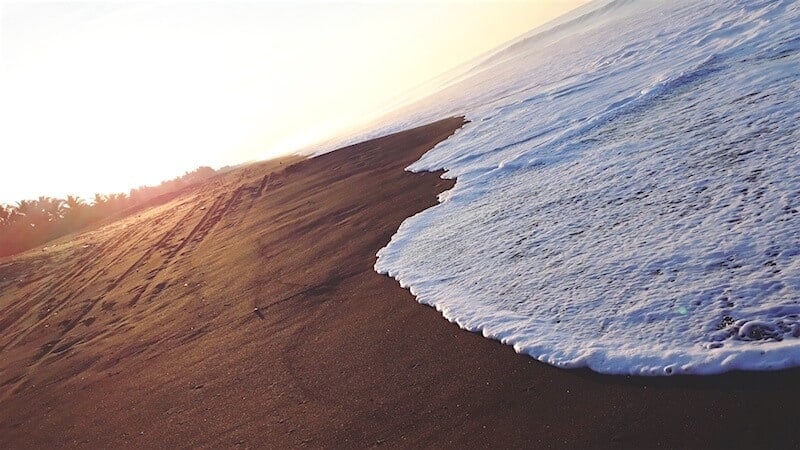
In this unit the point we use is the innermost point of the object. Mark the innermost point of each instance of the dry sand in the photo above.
(143, 333)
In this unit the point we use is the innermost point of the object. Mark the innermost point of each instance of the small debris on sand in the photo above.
(258, 313)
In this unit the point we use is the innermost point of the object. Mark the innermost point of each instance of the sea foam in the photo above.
(627, 191)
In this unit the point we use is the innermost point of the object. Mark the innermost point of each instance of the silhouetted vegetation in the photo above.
(30, 223)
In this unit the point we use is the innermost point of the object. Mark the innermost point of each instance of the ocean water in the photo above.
(627, 191)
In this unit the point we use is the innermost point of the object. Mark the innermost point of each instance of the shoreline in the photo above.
(157, 340)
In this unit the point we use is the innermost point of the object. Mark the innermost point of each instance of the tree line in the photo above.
(29, 223)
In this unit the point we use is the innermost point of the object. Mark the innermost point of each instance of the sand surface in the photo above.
(143, 332)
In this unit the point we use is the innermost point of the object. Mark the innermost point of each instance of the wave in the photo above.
(629, 202)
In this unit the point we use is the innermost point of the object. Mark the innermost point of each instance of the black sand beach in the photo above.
(246, 314)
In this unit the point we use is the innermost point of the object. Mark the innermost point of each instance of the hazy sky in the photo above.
(105, 96)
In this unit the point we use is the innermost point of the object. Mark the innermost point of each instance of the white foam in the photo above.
(628, 191)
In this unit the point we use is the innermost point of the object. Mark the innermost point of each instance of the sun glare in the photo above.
(103, 97)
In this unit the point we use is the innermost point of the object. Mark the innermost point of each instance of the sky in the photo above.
(107, 96)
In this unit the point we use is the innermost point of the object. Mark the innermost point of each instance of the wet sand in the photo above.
(246, 314)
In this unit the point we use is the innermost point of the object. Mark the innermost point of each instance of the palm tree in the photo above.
(40, 214)
(74, 203)
(6, 230)
(25, 206)
(16, 217)
(5, 213)
(54, 208)
(99, 201)
(76, 213)
(25, 212)
(119, 201)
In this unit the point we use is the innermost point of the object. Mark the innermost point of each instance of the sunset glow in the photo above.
(103, 97)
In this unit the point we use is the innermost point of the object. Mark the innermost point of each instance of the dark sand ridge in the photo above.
(143, 333)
